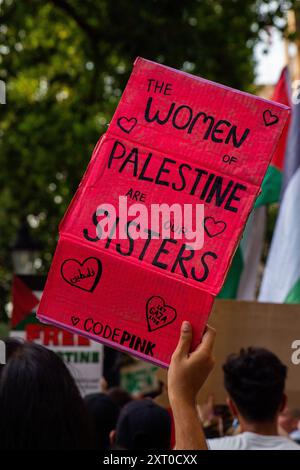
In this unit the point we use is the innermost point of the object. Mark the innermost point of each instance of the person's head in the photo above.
(255, 381)
(103, 413)
(119, 396)
(143, 424)
(40, 405)
(289, 419)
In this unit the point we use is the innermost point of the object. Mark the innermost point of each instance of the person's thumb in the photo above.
(185, 340)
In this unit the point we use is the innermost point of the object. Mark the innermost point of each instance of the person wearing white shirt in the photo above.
(252, 441)
(254, 380)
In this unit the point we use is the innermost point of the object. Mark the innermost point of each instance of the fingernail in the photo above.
(186, 326)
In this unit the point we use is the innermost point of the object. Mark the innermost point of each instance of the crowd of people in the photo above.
(42, 408)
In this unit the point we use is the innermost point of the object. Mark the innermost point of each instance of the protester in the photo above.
(103, 413)
(254, 380)
(40, 405)
(142, 425)
(186, 375)
(289, 422)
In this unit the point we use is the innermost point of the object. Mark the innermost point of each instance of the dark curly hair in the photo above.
(255, 380)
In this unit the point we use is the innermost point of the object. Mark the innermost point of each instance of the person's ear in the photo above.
(112, 437)
(283, 403)
(232, 407)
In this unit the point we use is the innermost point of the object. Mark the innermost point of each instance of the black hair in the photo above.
(40, 404)
(255, 380)
(143, 425)
(119, 396)
(104, 414)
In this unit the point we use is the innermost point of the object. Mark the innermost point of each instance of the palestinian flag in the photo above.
(281, 281)
(242, 278)
(26, 294)
(271, 187)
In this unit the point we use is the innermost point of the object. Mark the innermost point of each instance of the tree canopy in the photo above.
(65, 64)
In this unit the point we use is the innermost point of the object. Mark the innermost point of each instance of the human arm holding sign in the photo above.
(187, 373)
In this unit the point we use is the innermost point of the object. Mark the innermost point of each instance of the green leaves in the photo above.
(65, 63)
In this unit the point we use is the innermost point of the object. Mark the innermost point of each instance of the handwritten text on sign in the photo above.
(174, 139)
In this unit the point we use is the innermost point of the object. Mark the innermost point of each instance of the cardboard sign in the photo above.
(83, 357)
(174, 138)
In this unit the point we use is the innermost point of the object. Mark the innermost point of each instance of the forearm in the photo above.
(187, 373)
(189, 434)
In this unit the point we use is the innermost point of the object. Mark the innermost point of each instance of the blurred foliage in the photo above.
(4, 331)
(66, 62)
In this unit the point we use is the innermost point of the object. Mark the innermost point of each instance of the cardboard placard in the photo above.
(174, 138)
(240, 324)
(82, 356)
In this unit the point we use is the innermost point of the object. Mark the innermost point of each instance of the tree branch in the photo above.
(91, 32)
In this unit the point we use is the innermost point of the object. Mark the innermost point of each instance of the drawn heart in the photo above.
(75, 320)
(127, 124)
(213, 227)
(159, 314)
(83, 275)
(270, 118)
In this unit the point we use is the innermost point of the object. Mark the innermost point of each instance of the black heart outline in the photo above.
(128, 120)
(215, 222)
(96, 280)
(75, 320)
(274, 118)
(165, 305)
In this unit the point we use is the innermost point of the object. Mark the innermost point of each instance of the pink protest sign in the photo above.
(174, 139)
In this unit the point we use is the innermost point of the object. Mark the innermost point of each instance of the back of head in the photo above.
(103, 413)
(143, 425)
(40, 405)
(255, 380)
(119, 396)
